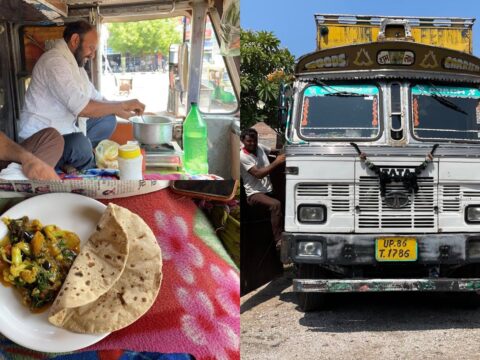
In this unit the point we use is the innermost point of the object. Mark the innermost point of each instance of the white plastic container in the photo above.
(130, 162)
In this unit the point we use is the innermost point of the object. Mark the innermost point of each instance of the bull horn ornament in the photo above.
(409, 179)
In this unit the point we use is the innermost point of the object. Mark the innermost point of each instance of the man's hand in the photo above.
(280, 159)
(130, 108)
(260, 173)
(36, 169)
(123, 109)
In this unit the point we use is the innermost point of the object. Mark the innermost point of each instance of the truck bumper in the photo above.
(382, 285)
(359, 249)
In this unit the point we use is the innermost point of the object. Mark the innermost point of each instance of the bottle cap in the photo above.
(129, 151)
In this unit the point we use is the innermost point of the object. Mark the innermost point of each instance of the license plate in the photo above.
(396, 249)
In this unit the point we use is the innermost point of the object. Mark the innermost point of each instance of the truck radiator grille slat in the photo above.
(471, 194)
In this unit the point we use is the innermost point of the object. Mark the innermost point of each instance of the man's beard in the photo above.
(78, 54)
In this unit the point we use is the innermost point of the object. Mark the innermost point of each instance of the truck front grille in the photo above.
(374, 213)
(338, 195)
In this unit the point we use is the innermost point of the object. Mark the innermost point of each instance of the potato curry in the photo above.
(35, 259)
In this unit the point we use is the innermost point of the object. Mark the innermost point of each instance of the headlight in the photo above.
(309, 248)
(472, 214)
(314, 214)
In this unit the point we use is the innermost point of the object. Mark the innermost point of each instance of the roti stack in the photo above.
(114, 280)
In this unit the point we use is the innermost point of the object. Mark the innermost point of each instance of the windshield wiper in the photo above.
(335, 91)
(448, 104)
(444, 101)
(344, 93)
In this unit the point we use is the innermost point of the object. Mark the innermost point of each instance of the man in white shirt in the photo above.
(60, 91)
(255, 169)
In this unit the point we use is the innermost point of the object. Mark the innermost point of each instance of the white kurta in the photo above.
(58, 92)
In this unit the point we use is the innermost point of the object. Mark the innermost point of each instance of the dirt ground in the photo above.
(358, 326)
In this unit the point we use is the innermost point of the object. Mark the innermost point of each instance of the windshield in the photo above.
(445, 112)
(340, 112)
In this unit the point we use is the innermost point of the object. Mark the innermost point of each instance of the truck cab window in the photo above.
(445, 112)
(340, 112)
(136, 61)
(216, 89)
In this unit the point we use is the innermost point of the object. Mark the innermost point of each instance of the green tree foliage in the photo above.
(264, 66)
(144, 37)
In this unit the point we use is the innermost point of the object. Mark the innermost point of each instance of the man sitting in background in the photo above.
(255, 169)
(60, 91)
(37, 155)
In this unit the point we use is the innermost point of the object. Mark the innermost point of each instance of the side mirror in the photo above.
(284, 103)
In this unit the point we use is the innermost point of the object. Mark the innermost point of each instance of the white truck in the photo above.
(383, 159)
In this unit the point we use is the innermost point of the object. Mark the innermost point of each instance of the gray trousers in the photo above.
(47, 145)
(78, 149)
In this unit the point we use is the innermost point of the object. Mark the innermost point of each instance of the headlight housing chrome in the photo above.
(472, 214)
(312, 214)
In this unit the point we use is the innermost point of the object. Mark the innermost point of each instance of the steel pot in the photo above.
(153, 129)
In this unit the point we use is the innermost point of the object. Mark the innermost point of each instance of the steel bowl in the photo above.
(152, 129)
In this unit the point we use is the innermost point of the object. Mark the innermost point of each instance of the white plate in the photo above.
(72, 212)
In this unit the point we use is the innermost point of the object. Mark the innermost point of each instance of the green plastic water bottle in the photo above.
(195, 147)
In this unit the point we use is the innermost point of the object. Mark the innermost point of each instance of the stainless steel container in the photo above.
(153, 129)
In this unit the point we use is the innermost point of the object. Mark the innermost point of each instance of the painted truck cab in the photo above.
(195, 64)
(383, 161)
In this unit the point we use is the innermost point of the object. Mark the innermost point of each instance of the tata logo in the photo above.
(397, 172)
(396, 199)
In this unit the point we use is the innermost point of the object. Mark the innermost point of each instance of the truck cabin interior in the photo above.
(180, 55)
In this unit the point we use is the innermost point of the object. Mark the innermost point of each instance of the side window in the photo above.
(139, 61)
(217, 95)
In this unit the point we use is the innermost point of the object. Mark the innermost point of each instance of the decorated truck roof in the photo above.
(335, 30)
(393, 54)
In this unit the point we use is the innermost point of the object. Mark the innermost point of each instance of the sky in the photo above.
(293, 23)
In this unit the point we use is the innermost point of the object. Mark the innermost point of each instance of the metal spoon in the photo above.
(140, 116)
